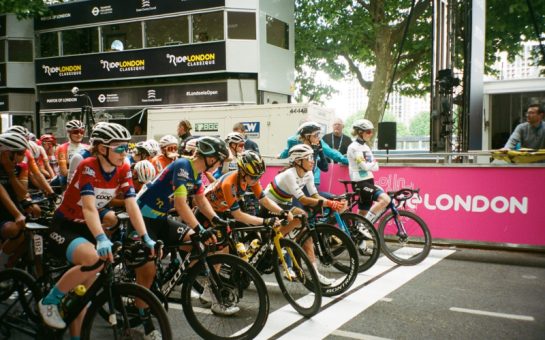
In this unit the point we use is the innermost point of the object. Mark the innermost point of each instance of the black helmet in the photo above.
(13, 142)
(109, 132)
(308, 128)
(212, 147)
(251, 163)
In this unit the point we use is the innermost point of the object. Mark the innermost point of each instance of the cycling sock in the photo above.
(146, 320)
(371, 216)
(54, 297)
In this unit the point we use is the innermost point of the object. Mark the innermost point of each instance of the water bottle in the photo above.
(254, 245)
(241, 250)
(171, 269)
(70, 299)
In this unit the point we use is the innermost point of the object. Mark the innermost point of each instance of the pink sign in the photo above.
(483, 204)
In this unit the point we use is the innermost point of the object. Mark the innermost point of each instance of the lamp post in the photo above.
(87, 115)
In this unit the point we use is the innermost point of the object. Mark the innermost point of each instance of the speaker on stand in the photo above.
(387, 137)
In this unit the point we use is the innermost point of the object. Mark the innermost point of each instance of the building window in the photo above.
(169, 31)
(241, 25)
(20, 50)
(2, 51)
(121, 37)
(80, 41)
(48, 44)
(278, 33)
(207, 27)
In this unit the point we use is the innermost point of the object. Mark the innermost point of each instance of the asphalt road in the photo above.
(453, 294)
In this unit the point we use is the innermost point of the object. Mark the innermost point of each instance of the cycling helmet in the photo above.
(13, 142)
(109, 132)
(300, 151)
(145, 171)
(168, 140)
(48, 139)
(212, 147)
(144, 147)
(251, 163)
(21, 130)
(189, 145)
(308, 128)
(34, 149)
(154, 146)
(31, 136)
(234, 137)
(74, 125)
(363, 124)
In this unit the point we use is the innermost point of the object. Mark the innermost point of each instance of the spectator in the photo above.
(137, 129)
(336, 139)
(530, 134)
(248, 144)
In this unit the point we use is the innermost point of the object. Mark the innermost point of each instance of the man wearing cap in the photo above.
(248, 144)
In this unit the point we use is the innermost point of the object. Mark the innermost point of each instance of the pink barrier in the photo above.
(483, 204)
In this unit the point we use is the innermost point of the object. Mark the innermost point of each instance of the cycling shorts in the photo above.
(368, 192)
(170, 231)
(63, 232)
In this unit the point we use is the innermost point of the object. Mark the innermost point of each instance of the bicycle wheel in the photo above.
(240, 288)
(339, 259)
(19, 314)
(129, 323)
(408, 249)
(303, 291)
(365, 238)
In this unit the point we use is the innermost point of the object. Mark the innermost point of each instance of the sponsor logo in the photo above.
(124, 65)
(56, 16)
(192, 60)
(63, 71)
(206, 127)
(102, 10)
(89, 172)
(201, 93)
(61, 100)
(152, 97)
(108, 98)
(101, 98)
(252, 129)
(183, 173)
(146, 6)
(104, 196)
(57, 238)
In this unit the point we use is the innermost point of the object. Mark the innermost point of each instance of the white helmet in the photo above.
(300, 151)
(144, 146)
(145, 171)
(13, 142)
(168, 140)
(308, 128)
(19, 129)
(156, 148)
(109, 132)
(363, 124)
(234, 137)
(74, 125)
(34, 149)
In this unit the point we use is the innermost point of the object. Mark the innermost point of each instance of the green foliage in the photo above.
(420, 125)
(24, 9)
(401, 127)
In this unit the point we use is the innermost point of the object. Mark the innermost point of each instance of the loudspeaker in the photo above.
(387, 136)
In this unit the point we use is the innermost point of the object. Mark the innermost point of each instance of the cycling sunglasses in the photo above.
(171, 148)
(77, 132)
(119, 148)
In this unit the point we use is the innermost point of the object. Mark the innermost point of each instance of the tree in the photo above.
(420, 125)
(24, 9)
(339, 37)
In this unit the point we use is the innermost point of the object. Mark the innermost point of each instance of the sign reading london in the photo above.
(172, 60)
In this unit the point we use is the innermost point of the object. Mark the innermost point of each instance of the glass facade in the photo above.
(278, 33)
(20, 51)
(80, 41)
(121, 37)
(168, 31)
(48, 44)
(208, 27)
(241, 25)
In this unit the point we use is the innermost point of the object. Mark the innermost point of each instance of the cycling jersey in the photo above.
(225, 193)
(160, 162)
(90, 179)
(361, 162)
(28, 164)
(74, 162)
(4, 180)
(287, 185)
(179, 179)
(65, 152)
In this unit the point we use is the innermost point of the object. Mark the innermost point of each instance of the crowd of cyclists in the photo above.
(204, 182)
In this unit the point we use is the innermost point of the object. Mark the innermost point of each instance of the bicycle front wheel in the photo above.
(405, 238)
(19, 295)
(298, 281)
(365, 238)
(129, 324)
(338, 260)
(237, 302)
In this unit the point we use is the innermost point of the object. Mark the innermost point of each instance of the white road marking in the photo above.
(353, 335)
(386, 300)
(498, 315)
(336, 315)
(177, 306)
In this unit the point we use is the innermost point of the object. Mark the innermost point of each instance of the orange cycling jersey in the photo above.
(225, 193)
(160, 162)
(28, 165)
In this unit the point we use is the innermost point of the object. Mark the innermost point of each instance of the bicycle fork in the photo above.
(401, 232)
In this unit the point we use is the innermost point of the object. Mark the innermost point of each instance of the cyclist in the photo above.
(362, 164)
(169, 152)
(76, 232)
(189, 146)
(181, 179)
(288, 185)
(75, 130)
(41, 159)
(49, 143)
(142, 151)
(143, 173)
(309, 133)
(235, 141)
(12, 194)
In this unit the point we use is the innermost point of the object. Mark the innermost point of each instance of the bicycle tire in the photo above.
(418, 235)
(242, 285)
(19, 296)
(124, 295)
(369, 252)
(304, 292)
(339, 259)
